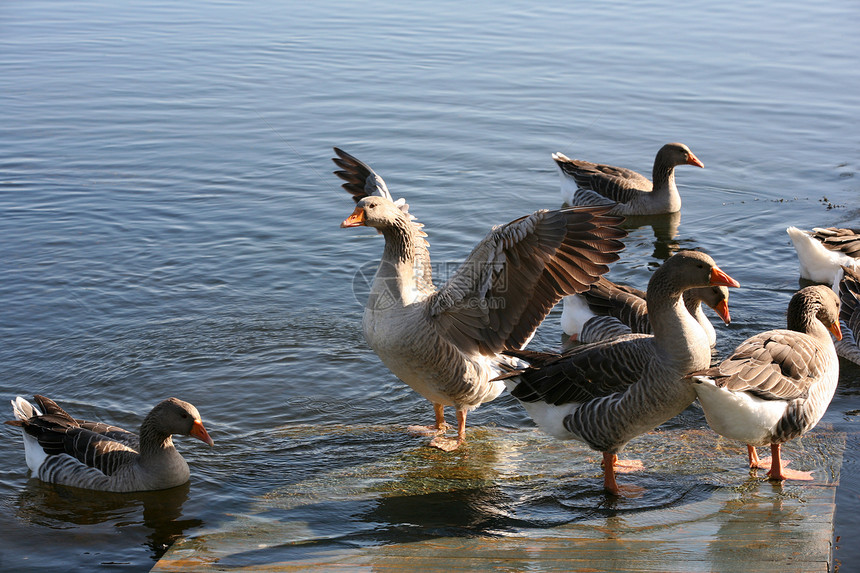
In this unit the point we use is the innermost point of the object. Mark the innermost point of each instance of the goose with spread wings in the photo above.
(445, 342)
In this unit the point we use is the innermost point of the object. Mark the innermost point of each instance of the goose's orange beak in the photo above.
(357, 219)
(199, 432)
(693, 160)
(835, 330)
(722, 310)
(719, 278)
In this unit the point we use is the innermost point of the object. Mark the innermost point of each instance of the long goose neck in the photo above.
(663, 175)
(153, 441)
(802, 318)
(680, 339)
(395, 280)
(399, 242)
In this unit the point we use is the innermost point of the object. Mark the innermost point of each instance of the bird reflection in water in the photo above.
(158, 512)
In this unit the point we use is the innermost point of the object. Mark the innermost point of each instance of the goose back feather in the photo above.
(630, 193)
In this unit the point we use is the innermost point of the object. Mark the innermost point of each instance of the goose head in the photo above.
(685, 270)
(173, 416)
(376, 212)
(673, 154)
(716, 297)
(816, 302)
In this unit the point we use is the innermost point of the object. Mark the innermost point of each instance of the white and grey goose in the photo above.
(631, 193)
(776, 385)
(822, 251)
(91, 455)
(605, 394)
(849, 315)
(607, 310)
(445, 343)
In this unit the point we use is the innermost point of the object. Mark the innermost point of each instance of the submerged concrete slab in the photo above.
(517, 500)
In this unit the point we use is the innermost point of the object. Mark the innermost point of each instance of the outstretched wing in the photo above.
(511, 280)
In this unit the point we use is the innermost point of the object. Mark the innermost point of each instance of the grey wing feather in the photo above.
(614, 183)
(846, 241)
(774, 365)
(501, 293)
(585, 372)
(627, 304)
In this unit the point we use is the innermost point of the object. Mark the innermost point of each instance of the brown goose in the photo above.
(849, 315)
(608, 393)
(607, 310)
(776, 385)
(821, 252)
(445, 343)
(92, 455)
(585, 183)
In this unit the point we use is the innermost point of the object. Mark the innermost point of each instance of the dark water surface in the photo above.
(169, 221)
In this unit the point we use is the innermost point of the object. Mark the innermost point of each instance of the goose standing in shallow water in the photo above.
(821, 252)
(445, 343)
(92, 455)
(627, 393)
(776, 385)
(607, 310)
(586, 183)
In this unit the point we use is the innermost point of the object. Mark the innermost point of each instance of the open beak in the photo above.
(722, 310)
(693, 160)
(355, 220)
(719, 278)
(835, 330)
(199, 432)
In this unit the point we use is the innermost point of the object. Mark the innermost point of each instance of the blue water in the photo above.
(169, 220)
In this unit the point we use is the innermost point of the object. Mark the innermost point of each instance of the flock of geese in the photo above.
(641, 357)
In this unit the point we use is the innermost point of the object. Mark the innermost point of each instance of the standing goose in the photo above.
(849, 315)
(92, 455)
(631, 193)
(607, 310)
(625, 391)
(445, 343)
(821, 252)
(776, 385)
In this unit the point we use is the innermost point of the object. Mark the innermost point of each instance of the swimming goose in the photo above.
(585, 183)
(445, 343)
(625, 388)
(776, 385)
(607, 310)
(849, 314)
(821, 252)
(92, 455)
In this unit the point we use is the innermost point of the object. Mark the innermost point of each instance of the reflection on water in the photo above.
(60, 507)
(665, 229)
(509, 487)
